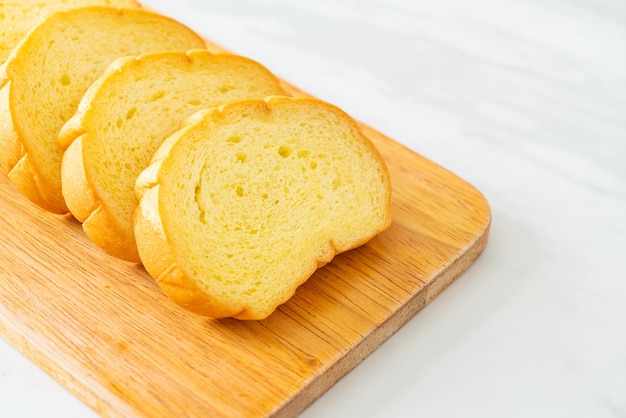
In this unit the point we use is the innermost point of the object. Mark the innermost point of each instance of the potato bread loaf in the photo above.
(245, 202)
(123, 118)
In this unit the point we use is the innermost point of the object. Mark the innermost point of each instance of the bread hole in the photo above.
(195, 102)
(320, 197)
(131, 112)
(118, 123)
(225, 89)
(264, 196)
(336, 183)
(241, 157)
(285, 151)
(303, 154)
(313, 165)
(230, 255)
(158, 95)
(65, 80)
(239, 191)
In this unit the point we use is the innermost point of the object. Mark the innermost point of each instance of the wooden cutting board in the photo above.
(104, 330)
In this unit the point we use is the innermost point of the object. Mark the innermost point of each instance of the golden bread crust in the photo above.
(78, 195)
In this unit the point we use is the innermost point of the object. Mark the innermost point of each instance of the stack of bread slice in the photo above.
(124, 117)
(196, 164)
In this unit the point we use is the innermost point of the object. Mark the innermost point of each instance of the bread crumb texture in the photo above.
(252, 198)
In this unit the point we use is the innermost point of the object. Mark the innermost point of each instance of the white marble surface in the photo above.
(525, 99)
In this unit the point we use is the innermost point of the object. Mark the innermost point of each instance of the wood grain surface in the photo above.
(104, 329)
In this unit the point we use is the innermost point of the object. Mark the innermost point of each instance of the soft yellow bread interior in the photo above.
(247, 201)
(126, 115)
(17, 17)
(50, 70)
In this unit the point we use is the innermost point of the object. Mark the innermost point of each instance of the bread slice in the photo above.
(17, 17)
(244, 203)
(126, 115)
(48, 72)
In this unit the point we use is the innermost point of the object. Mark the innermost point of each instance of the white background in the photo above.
(526, 100)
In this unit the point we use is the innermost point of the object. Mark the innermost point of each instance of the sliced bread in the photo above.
(17, 17)
(124, 117)
(245, 202)
(48, 72)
